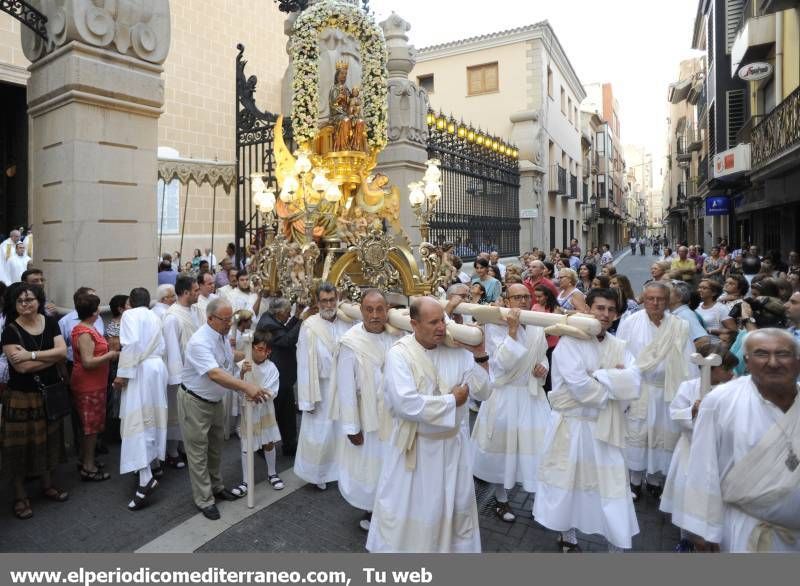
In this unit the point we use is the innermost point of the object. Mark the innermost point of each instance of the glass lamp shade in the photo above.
(258, 199)
(302, 164)
(432, 190)
(291, 185)
(320, 182)
(285, 196)
(417, 195)
(432, 174)
(333, 193)
(268, 200)
(257, 183)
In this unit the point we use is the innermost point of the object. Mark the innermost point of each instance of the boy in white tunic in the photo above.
(425, 501)
(743, 481)
(142, 376)
(359, 404)
(683, 410)
(508, 436)
(265, 427)
(180, 323)
(583, 481)
(662, 347)
(317, 346)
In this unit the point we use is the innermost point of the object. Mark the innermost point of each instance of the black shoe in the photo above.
(567, 547)
(225, 495)
(655, 490)
(210, 512)
(101, 448)
(636, 492)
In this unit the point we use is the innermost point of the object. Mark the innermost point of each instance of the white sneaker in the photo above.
(322, 485)
(364, 524)
(474, 406)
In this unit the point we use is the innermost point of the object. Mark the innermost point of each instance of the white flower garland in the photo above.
(305, 57)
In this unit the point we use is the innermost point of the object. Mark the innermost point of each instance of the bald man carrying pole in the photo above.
(427, 385)
(743, 482)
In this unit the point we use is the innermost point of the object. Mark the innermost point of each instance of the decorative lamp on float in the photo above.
(333, 193)
(320, 182)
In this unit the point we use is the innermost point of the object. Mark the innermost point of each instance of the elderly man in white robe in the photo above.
(508, 437)
(180, 323)
(425, 499)
(17, 263)
(583, 478)
(662, 347)
(743, 481)
(142, 376)
(165, 297)
(359, 405)
(317, 347)
(8, 249)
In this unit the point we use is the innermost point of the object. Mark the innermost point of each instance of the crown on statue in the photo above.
(342, 65)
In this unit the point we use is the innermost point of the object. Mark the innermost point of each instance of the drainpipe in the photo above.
(778, 58)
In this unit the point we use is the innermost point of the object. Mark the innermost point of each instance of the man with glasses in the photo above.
(662, 346)
(744, 465)
(509, 432)
(206, 378)
(317, 349)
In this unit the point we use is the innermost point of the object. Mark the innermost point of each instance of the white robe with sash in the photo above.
(361, 408)
(180, 323)
(739, 491)
(143, 403)
(583, 477)
(652, 434)
(508, 436)
(425, 500)
(315, 461)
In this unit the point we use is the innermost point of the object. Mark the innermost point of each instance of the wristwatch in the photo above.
(482, 359)
(33, 355)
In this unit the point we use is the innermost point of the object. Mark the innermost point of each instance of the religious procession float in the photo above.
(330, 215)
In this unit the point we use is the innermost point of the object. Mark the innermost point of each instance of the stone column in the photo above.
(94, 98)
(403, 159)
(526, 134)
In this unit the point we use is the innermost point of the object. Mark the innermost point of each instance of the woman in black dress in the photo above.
(32, 445)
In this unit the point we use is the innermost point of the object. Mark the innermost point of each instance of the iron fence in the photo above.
(479, 207)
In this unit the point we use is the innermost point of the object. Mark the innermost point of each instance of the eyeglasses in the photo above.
(225, 320)
(26, 300)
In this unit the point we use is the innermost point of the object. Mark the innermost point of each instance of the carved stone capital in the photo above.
(137, 28)
(402, 56)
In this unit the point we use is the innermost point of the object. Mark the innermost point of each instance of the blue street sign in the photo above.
(718, 205)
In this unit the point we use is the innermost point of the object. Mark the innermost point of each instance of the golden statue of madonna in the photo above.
(349, 129)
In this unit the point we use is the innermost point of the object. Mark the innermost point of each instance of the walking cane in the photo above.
(247, 340)
(705, 364)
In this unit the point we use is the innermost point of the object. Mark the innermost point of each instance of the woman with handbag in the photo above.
(36, 400)
(89, 381)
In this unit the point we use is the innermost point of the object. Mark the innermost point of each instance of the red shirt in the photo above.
(96, 378)
(542, 281)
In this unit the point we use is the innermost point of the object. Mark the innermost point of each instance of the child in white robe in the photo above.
(683, 410)
(265, 426)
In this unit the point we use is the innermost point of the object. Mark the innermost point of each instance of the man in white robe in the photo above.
(142, 375)
(7, 250)
(165, 296)
(743, 482)
(180, 323)
(206, 291)
(662, 347)
(583, 478)
(317, 346)
(243, 297)
(508, 436)
(359, 404)
(425, 500)
(17, 263)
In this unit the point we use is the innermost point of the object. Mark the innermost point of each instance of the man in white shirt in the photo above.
(7, 250)
(606, 258)
(17, 263)
(494, 260)
(165, 296)
(243, 296)
(233, 281)
(212, 260)
(206, 291)
(207, 376)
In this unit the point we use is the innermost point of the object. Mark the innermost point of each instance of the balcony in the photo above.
(558, 180)
(777, 134)
(585, 193)
(682, 154)
(753, 41)
(573, 187)
(693, 138)
(772, 6)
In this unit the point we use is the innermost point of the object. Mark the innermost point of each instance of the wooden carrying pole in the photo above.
(247, 339)
(705, 364)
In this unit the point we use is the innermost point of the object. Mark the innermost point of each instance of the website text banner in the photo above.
(364, 569)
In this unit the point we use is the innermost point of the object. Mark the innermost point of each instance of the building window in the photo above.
(482, 79)
(563, 233)
(575, 115)
(549, 82)
(737, 110)
(710, 37)
(734, 10)
(563, 102)
(168, 209)
(425, 82)
(552, 232)
(569, 111)
(712, 131)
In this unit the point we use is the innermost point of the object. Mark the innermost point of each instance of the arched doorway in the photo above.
(13, 157)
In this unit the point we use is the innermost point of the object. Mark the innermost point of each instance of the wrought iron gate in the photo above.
(479, 207)
(254, 154)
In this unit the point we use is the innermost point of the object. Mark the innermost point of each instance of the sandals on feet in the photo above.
(276, 482)
(240, 491)
(504, 513)
(175, 462)
(140, 498)
(158, 472)
(567, 547)
(22, 509)
(97, 464)
(55, 494)
(94, 475)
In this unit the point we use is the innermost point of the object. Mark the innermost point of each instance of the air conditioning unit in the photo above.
(584, 227)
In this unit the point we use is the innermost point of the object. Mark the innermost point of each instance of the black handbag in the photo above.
(57, 404)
